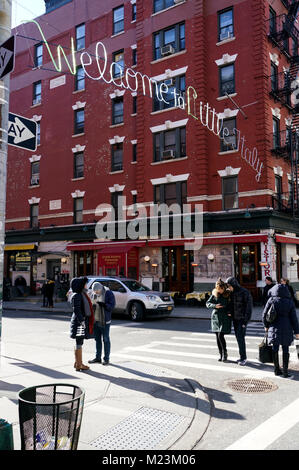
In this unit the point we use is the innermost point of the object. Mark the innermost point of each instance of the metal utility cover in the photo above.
(143, 429)
(252, 386)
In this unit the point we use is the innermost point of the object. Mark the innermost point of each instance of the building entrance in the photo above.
(177, 269)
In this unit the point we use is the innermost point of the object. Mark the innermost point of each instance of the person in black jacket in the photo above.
(79, 320)
(241, 310)
(286, 282)
(281, 331)
(269, 284)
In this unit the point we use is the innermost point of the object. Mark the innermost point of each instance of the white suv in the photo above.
(135, 299)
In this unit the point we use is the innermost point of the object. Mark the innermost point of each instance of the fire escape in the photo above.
(283, 86)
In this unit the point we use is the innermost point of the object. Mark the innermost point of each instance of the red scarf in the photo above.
(91, 317)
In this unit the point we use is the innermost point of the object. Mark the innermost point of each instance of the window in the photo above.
(228, 138)
(225, 24)
(117, 157)
(162, 4)
(78, 210)
(230, 192)
(134, 157)
(278, 186)
(117, 111)
(38, 55)
(176, 88)
(227, 79)
(272, 16)
(118, 20)
(134, 105)
(294, 47)
(37, 93)
(34, 215)
(274, 77)
(170, 144)
(171, 193)
(79, 165)
(114, 202)
(38, 133)
(134, 56)
(134, 12)
(80, 79)
(118, 68)
(80, 37)
(34, 181)
(79, 121)
(276, 133)
(174, 37)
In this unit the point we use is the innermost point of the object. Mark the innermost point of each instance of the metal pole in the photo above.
(5, 33)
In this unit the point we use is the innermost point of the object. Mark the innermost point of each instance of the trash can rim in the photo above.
(49, 385)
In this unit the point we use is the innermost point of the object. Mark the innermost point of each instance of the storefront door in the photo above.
(247, 267)
(177, 270)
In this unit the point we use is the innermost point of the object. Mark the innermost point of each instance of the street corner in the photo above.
(145, 407)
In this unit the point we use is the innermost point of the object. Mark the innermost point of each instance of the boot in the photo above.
(78, 364)
(225, 355)
(285, 363)
(277, 369)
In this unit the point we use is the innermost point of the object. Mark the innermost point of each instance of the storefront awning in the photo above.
(286, 239)
(31, 246)
(116, 247)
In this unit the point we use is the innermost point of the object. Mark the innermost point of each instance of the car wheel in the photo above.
(136, 311)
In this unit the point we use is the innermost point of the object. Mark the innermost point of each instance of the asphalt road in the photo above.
(265, 421)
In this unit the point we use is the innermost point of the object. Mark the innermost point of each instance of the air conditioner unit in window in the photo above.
(168, 154)
(167, 50)
(36, 101)
(226, 35)
(34, 180)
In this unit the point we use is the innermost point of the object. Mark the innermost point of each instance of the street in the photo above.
(264, 421)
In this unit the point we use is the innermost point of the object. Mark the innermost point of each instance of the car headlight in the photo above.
(153, 298)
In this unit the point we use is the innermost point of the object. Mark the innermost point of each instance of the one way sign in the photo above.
(22, 132)
(7, 57)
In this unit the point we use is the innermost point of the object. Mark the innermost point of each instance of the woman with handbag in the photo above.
(281, 323)
(221, 316)
(82, 318)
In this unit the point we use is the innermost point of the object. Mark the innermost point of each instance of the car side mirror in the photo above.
(122, 290)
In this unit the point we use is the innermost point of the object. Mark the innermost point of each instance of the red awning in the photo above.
(286, 239)
(116, 247)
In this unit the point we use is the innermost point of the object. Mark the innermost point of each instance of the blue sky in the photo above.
(25, 10)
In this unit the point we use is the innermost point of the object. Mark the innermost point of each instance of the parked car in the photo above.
(135, 299)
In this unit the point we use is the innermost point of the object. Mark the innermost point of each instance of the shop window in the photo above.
(83, 263)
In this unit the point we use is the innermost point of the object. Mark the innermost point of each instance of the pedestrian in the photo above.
(241, 312)
(104, 302)
(44, 293)
(221, 318)
(82, 319)
(50, 292)
(281, 331)
(286, 282)
(269, 284)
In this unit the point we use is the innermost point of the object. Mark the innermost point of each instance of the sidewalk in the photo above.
(182, 311)
(128, 405)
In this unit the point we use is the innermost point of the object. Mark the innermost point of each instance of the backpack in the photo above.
(271, 314)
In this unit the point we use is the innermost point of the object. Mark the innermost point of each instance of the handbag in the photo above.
(271, 314)
(80, 333)
(265, 351)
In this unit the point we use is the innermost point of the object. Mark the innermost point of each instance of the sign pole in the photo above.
(5, 32)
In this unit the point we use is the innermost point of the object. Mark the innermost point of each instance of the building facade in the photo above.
(214, 130)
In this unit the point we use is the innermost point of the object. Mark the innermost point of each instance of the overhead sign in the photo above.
(22, 132)
(7, 57)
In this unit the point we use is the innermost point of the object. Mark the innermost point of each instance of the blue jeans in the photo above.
(102, 333)
(240, 333)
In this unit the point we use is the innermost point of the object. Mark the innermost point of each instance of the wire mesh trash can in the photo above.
(6, 435)
(50, 417)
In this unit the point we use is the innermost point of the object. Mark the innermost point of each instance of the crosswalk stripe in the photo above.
(270, 430)
(206, 346)
(242, 370)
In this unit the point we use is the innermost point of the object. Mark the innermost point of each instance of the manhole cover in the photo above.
(252, 386)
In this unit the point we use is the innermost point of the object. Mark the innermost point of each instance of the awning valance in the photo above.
(286, 239)
(20, 247)
(120, 247)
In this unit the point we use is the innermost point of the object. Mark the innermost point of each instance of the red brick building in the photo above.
(99, 141)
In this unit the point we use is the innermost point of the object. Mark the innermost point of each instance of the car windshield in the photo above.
(135, 286)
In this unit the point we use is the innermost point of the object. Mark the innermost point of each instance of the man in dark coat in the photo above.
(281, 331)
(241, 311)
(269, 284)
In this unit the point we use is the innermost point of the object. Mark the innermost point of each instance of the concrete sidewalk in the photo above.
(128, 405)
(181, 311)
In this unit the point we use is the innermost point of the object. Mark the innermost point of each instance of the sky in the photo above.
(25, 10)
